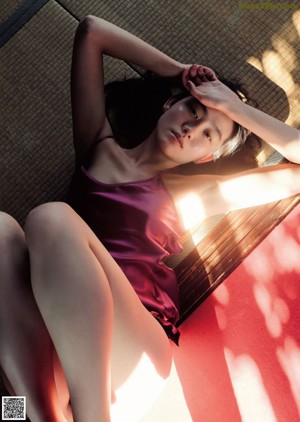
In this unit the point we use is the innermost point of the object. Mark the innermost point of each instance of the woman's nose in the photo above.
(186, 131)
(193, 128)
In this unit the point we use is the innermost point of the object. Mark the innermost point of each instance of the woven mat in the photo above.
(36, 150)
(8, 7)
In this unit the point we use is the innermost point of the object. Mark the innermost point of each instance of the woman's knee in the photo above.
(46, 223)
(11, 235)
(13, 254)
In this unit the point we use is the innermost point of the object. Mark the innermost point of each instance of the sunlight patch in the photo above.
(289, 359)
(279, 63)
(221, 294)
(191, 209)
(252, 398)
(138, 393)
(274, 310)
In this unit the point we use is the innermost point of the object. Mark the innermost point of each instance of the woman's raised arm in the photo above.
(95, 37)
(284, 138)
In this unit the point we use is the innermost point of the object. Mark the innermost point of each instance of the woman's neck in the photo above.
(148, 155)
(111, 163)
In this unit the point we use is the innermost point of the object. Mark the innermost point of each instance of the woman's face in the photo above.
(189, 131)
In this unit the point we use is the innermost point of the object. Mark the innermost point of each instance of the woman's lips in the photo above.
(179, 138)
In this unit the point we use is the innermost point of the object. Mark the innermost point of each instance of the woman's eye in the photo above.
(194, 113)
(207, 135)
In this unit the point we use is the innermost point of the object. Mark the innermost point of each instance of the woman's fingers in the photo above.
(197, 75)
(193, 71)
(210, 74)
(185, 76)
(192, 88)
(201, 74)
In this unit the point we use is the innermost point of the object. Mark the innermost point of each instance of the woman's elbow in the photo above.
(87, 25)
(292, 152)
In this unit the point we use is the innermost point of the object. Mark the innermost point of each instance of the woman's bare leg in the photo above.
(25, 345)
(90, 310)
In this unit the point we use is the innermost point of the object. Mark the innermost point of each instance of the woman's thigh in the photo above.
(141, 352)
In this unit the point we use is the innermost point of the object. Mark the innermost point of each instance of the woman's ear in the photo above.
(206, 159)
(170, 101)
(174, 99)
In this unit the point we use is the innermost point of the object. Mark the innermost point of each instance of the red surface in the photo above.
(239, 354)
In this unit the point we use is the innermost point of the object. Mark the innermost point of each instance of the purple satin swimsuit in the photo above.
(138, 224)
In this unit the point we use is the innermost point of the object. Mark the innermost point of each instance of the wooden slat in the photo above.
(224, 248)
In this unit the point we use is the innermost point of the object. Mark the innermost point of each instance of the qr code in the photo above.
(13, 408)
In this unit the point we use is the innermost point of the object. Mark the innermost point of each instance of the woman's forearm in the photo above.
(208, 195)
(120, 44)
(284, 138)
(259, 186)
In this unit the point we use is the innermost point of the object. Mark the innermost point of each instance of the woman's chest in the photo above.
(111, 164)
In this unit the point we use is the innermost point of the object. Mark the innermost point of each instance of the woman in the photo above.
(83, 323)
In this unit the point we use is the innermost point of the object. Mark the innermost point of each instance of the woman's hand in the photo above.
(197, 74)
(203, 84)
